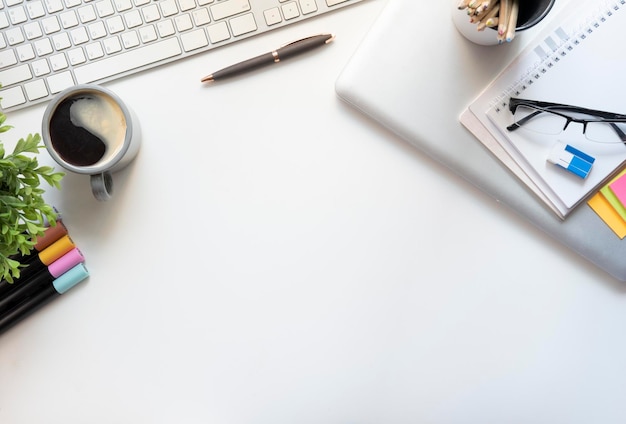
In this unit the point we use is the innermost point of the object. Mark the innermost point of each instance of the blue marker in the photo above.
(571, 159)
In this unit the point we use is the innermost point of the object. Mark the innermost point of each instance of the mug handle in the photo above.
(102, 186)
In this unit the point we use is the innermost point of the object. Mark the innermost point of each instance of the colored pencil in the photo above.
(501, 15)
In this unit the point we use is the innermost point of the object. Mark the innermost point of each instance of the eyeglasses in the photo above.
(553, 118)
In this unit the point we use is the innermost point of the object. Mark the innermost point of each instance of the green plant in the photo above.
(23, 211)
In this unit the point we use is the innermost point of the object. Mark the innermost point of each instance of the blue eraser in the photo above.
(573, 160)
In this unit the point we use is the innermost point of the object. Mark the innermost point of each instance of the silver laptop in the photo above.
(417, 76)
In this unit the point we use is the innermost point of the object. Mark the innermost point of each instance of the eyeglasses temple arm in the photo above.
(515, 125)
(619, 132)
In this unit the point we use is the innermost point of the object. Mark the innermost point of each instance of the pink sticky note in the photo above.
(618, 187)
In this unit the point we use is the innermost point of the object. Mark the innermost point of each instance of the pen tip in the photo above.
(208, 78)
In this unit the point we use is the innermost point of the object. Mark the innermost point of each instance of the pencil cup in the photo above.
(87, 129)
(530, 13)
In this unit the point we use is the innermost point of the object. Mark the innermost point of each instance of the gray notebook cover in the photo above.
(418, 77)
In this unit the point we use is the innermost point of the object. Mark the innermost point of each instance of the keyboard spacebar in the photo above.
(127, 61)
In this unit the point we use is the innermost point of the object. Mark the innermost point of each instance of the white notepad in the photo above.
(417, 77)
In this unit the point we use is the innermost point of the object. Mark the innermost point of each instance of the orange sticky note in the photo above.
(605, 211)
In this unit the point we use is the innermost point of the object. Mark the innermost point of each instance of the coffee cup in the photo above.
(88, 129)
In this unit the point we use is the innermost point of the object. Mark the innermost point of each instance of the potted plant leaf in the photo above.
(23, 211)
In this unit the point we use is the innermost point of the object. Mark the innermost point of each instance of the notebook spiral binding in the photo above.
(555, 48)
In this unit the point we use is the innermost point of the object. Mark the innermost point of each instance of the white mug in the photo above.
(88, 129)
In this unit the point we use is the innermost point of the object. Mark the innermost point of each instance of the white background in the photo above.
(274, 257)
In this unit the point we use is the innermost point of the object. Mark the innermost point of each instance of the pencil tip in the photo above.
(208, 78)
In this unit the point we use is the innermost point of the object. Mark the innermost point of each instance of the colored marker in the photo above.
(39, 261)
(45, 294)
(50, 235)
(25, 289)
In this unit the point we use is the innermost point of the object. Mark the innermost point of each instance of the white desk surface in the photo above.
(274, 257)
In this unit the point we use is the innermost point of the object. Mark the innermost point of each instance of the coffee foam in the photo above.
(101, 116)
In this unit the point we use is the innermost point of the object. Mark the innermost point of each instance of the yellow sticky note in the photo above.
(603, 208)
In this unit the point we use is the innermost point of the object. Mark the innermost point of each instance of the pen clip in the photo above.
(331, 37)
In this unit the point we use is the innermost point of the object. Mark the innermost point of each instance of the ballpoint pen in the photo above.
(284, 52)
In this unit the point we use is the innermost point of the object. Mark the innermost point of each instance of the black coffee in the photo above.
(85, 128)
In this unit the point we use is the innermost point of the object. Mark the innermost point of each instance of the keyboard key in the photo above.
(59, 82)
(133, 19)
(166, 28)
(7, 58)
(15, 74)
(35, 9)
(201, 17)
(272, 16)
(194, 40)
(14, 36)
(36, 90)
(51, 25)
(97, 30)
(115, 24)
(69, 19)
(130, 39)
(43, 47)
(127, 61)
(122, 5)
(151, 13)
(168, 8)
(17, 15)
(87, 14)
(61, 41)
(104, 8)
(4, 20)
(112, 45)
(308, 6)
(229, 8)
(53, 6)
(218, 32)
(147, 34)
(243, 24)
(32, 30)
(186, 5)
(71, 3)
(79, 36)
(25, 52)
(290, 10)
(76, 56)
(183, 22)
(40, 67)
(12, 97)
(58, 62)
(94, 51)
(334, 2)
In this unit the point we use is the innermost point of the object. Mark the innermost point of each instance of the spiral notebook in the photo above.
(427, 77)
(576, 64)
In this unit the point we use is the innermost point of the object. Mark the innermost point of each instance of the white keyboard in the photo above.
(49, 45)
